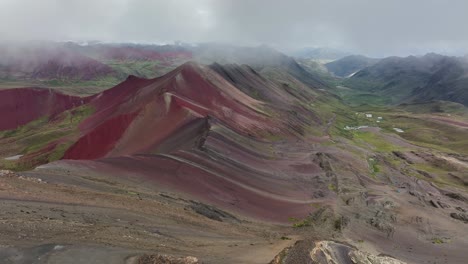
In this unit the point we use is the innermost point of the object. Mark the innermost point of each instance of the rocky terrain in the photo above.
(229, 163)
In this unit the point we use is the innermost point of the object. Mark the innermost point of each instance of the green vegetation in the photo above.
(316, 205)
(440, 107)
(437, 240)
(79, 86)
(332, 187)
(428, 133)
(302, 223)
(374, 140)
(59, 151)
(143, 69)
(123, 191)
(373, 166)
(296, 223)
(420, 126)
(358, 98)
(42, 140)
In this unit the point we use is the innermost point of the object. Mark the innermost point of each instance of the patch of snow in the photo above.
(16, 157)
(58, 247)
(369, 115)
(352, 74)
(355, 128)
(399, 130)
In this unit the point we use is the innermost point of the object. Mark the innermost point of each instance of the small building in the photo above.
(368, 115)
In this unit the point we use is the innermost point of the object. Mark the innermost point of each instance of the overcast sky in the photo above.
(371, 27)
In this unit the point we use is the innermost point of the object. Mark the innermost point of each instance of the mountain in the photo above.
(430, 77)
(233, 163)
(146, 61)
(21, 106)
(49, 63)
(325, 54)
(260, 58)
(349, 65)
(72, 66)
(449, 82)
(193, 115)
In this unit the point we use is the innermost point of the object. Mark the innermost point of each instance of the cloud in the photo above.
(365, 26)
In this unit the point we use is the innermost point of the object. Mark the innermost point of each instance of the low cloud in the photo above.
(376, 28)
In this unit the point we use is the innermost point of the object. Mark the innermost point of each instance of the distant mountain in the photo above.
(418, 79)
(21, 106)
(105, 64)
(259, 58)
(92, 65)
(349, 65)
(47, 63)
(327, 54)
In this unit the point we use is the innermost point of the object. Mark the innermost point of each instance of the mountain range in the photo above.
(414, 79)
(227, 154)
(350, 65)
(320, 53)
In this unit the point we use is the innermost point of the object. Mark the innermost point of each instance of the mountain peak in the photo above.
(190, 65)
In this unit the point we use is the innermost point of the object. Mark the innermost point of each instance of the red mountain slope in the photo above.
(21, 106)
(153, 109)
(194, 131)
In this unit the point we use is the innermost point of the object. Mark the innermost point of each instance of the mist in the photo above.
(369, 27)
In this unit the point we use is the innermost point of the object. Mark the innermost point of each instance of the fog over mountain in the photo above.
(372, 28)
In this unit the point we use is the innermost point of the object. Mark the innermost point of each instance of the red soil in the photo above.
(210, 188)
(165, 104)
(193, 131)
(101, 140)
(21, 106)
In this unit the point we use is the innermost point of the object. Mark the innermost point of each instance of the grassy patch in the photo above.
(296, 222)
(373, 167)
(332, 187)
(374, 140)
(126, 192)
(438, 240)
(32, 139)
(427, 133)
(302, 223)
(59, 151)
